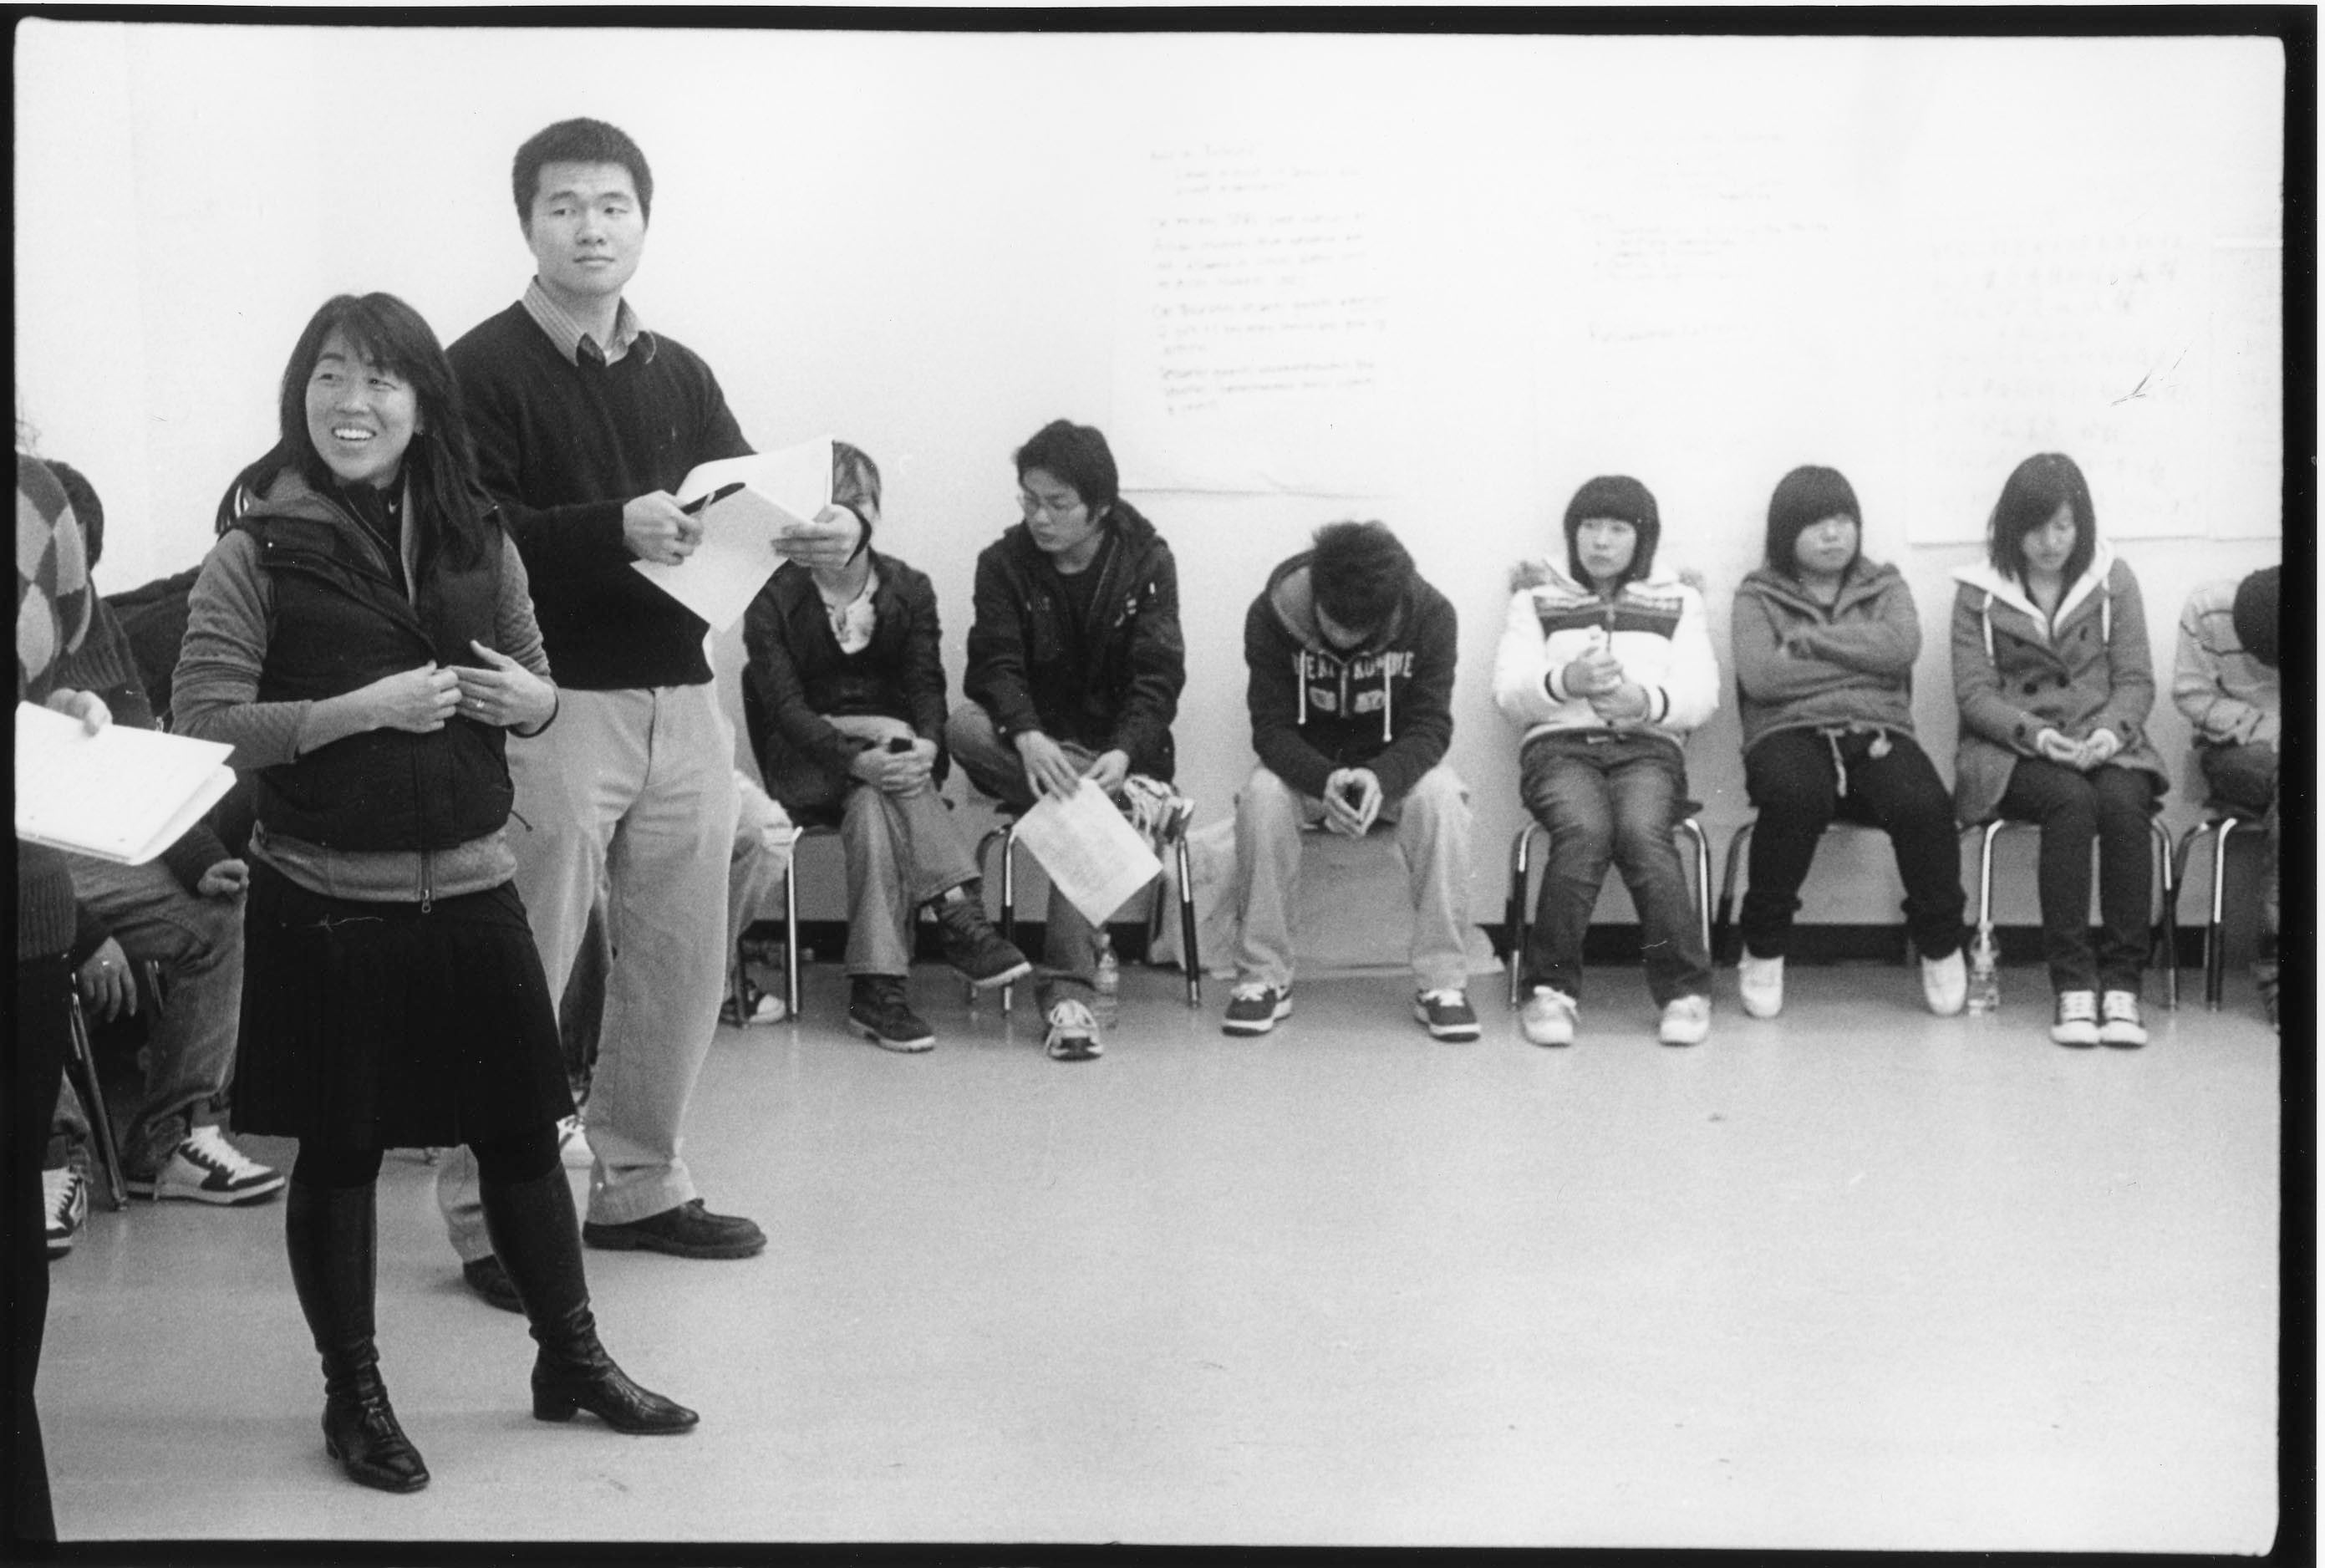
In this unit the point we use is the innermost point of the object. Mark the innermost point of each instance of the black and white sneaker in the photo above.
(1446, 1013)
(204, 1168)
(971, 945)
(877, 1010)
(1254, 1008)
(64, 1206)
(2119, 1021)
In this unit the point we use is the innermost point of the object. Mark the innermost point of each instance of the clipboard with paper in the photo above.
(1089, 853)
(746, 504)
(121, 794)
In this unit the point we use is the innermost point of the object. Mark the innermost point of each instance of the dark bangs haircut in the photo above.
(1360, 572)
(1078, 455)
(1623, 499)
(578, 141)
(1805, 497)
(855, 477)
(448, 505)
(2035, 489)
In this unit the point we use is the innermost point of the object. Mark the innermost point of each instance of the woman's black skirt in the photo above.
(378, 1025)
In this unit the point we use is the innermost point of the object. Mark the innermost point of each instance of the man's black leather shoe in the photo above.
(689, 1230)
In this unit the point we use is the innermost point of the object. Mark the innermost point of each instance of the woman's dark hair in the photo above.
(1359, 571)
(1623, 499)
(1805, 497)
(1078, 455)
(448, 505)
(2035, 490)
(855, 477)
(578, 141)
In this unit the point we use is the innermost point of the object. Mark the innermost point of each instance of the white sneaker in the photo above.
(206, 1169)
(2119, 1022)
(2078, 1023)
(1762, 982)
(64, 1205)
(1686, 1021)
(1945, 983)
(1073, 1032)
(1548, 1017)
(573, 1145)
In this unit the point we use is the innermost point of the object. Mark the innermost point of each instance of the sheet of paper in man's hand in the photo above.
(750, 501)
(1091, 855)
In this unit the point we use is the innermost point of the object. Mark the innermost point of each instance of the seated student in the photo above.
(2053, 678)
(1606, 665)
(1351, 658)
(182, 912)
(1075, 665)
(2226, 682)
(1825, 642)
(844, 662)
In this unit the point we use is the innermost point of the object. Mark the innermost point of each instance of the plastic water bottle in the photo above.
(1109, 978)
(1984, 973)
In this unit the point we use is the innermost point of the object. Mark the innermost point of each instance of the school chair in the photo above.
(2221, 819)
(2160, 838)
(1004, 834)
(1731, 944)
(92, 1088)
(801, 831)
(1518, 911)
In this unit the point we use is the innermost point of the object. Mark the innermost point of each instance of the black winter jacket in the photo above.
(1109, 683)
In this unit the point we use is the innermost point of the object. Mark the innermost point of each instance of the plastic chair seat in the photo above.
(2224, 819)
(1731, 944)
(2159, 840)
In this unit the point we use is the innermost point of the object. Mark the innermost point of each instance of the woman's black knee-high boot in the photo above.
(331, 1234)
(538, 1239)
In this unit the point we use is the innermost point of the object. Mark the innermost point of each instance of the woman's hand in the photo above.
(896, 773)
(224, 879)
(1109, 770)
(2056, 748)
(1593, 675)
(1626, 700)
(418, 701)
(504, 693)
(1047, 770)
(85, 706)
(2099, 746)
(107, 986)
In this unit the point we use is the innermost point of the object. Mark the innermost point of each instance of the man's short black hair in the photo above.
(578, 141)
(1360, 572)
(1078, 456)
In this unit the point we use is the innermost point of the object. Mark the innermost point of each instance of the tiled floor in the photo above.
(1853, 1277)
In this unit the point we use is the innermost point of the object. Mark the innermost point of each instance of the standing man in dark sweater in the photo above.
(1351, 657)
(585, 422)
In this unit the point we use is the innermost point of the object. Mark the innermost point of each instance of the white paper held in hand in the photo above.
(1091, 855)
(750, 500)
(122, 794)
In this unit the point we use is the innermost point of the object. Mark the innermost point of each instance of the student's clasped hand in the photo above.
(896, 773)
(1352, 800)
(85, 706)
(2082, 755)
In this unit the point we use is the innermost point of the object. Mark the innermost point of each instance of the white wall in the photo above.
(1700, 261)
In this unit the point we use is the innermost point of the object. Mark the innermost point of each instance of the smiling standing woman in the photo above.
(362, 634)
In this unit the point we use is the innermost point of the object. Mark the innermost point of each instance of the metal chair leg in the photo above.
(1187, 925)
(1723, 923)
(1519, 904)
(792, 933)
(100, 1120)
(2216, 947)
(1694, 830)
(2170, 938)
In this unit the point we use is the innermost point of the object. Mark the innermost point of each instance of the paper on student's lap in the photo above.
(121, 794)
(782, 491)
(1091, 855)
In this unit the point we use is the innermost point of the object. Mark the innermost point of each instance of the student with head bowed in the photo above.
(1075, 666)
(2225, 682)
(361, 635)
(849, 686)
(2054, 680)
(1825, 642)
(1606, 665)
(1351, 658)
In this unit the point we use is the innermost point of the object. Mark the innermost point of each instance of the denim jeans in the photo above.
(2109, 805)
(1792, 781)
(190, 1039)
(1432, 832)
(1069, 969)
(1610, 798)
